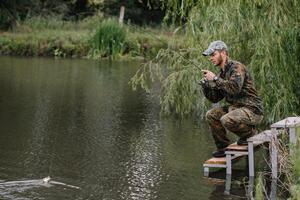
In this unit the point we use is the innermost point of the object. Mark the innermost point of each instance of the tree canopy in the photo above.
(263, 34)
(137, 11)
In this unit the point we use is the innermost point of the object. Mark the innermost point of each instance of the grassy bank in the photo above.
(288, 182)
(295, 188)
(55, 37)
(295, 172)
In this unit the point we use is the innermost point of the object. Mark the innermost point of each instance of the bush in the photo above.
(108, 39)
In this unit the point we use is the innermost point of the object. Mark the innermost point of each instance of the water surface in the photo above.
(79, 122)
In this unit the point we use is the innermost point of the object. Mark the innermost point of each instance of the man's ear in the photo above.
(223, 53)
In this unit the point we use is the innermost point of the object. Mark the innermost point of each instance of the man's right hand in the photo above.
(208, 75)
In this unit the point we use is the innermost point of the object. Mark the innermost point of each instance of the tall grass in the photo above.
(263, 34)
(53, 36)
(57, 22)
(109, 38)
(295, 188)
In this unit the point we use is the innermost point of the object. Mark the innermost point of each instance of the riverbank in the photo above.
(57, 38)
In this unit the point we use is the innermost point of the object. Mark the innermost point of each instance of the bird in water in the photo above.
(46, 179)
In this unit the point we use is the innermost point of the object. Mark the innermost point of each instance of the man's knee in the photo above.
(214, 114)
(209, 115)
(228, 122)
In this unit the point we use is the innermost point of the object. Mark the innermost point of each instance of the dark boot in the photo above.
(219, 153)
(243, 140)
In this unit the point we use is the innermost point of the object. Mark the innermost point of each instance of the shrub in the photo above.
(108, 39)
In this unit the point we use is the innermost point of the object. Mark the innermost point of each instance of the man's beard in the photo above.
(219, 61)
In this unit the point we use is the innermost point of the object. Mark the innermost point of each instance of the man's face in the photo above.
(216, 58)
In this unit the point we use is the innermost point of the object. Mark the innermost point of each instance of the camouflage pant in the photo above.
(240, 121)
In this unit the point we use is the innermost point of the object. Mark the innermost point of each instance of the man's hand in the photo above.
(208, 75)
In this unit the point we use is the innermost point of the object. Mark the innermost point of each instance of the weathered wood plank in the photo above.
(264, 136)
(220, 161)
(287, 122)
(236, 147)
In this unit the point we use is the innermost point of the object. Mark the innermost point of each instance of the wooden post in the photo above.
(273, 189)
(206, 171)
(251, 158)
(292, 134)
(122, 12)
(227, 184)
(273, 150)
(249, 191)
(228, 164)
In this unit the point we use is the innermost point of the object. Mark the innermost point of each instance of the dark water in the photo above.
(79, 122)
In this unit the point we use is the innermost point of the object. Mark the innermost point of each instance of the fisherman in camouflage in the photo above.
(244, 108)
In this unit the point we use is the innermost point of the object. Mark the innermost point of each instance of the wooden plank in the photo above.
(220, 161)
(236, 147)
(215, 181)
(214, 166)
(264, 136)
(287, 122)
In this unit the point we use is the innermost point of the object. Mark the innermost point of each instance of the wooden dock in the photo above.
(235, 152)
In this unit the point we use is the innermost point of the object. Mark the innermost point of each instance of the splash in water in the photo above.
(46, 179)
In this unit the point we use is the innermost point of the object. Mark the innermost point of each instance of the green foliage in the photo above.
(144, 42)
(13, 12)
(180, 89)
(52, 36)
(264, 35)
(4, 20)
(108, 39)
(259, 188)
(136, 11)
(52, 22)
(178, 11)
(45, 43)
(295, 189)
(47, 22)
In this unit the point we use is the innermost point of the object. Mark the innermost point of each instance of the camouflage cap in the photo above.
(215, 45)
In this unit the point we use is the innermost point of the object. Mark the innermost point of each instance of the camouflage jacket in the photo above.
(236, 85)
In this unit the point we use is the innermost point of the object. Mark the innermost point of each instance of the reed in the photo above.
(108, 39)
(260, 192)
(295, 163)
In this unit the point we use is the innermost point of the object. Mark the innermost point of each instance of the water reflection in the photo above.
(143, 170)
(228, 187)
(79, 122)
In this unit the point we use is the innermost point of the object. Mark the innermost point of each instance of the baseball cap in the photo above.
(215, 45)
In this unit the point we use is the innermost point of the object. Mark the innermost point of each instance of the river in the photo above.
(79, 122)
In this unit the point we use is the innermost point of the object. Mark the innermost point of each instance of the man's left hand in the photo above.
(208, 75)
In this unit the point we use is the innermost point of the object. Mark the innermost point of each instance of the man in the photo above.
(243, 109)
